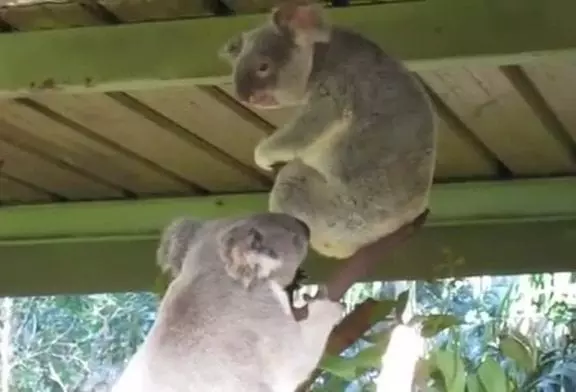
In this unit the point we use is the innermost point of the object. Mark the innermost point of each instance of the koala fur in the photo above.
(224, 323)
(360, 152)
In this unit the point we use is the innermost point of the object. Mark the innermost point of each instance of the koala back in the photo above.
(359, 153)
(213, 332)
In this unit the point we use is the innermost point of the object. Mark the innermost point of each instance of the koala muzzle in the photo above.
(262, 98)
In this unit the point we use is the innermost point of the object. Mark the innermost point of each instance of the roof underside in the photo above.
(142, 109)
(496, 122)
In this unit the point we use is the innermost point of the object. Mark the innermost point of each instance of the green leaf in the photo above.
(380, 339)
(518, 352)
(401, 302)
(339, 366)
(432, 325)
(382, 310)
(452, 368)
(473, 384)
(334, 383)
(525, 340)
(492, 376)
(369, 357)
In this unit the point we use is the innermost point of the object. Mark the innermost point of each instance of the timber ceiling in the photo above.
(495, 122)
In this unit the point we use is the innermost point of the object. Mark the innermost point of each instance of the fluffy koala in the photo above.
(360, 152)
(224, 323)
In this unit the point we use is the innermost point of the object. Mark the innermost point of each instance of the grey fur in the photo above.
(224, 323)
(360, 152)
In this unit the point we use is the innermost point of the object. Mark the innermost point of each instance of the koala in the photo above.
(357, 159)
(224, 323)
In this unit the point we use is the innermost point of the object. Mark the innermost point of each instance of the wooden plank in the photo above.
(82, 148)
(148, 10)
(12, 191)
(108, 118)
(145, 55)
(48, 15)
(490, 106)
(51, 176)
(207, 118)
(456, 157)
(556, 81)
(532, 224)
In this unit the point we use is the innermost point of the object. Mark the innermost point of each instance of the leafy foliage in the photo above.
(477, 343)
(62, 343)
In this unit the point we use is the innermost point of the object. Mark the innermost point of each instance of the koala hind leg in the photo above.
(303, 192)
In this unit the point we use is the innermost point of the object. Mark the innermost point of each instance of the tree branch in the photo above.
(357, 267)
(360, 264)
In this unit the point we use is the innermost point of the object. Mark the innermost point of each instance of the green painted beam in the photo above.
(491, 227)
(425, 34)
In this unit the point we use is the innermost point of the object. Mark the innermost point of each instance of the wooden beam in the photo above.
(475, 228)
(425, 34)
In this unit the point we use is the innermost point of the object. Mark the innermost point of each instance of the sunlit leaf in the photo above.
(518, 352)
(525, 340)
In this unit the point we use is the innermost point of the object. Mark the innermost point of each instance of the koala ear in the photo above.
(232, 48)
(174, 244)
(304, 18)
(246, 257)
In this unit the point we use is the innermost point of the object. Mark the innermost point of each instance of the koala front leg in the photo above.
(323, 315)
(287, 142)
(303, 192)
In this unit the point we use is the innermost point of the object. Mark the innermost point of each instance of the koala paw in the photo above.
(322, 308)
(262, 158)
(266, 156)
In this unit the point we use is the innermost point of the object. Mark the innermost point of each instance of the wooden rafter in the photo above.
(145, 55)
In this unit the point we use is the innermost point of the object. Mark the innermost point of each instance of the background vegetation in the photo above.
(484, 334)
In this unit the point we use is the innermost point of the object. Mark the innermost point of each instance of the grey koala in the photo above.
(225, 324)
(360, 153)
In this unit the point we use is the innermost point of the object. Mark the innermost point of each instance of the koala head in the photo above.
(263, 246)
(250, 248)
(272, 63)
